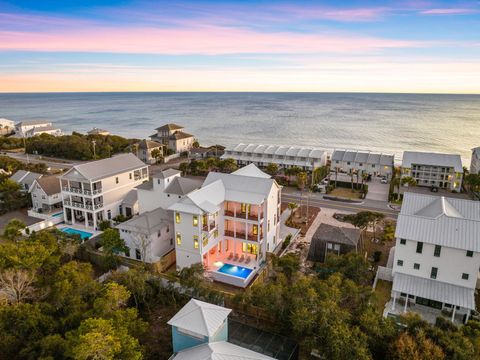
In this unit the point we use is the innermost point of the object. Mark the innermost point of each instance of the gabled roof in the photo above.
(363, 157)
(25, 177)
(182, 186)
(433, 159)
(220, 350)
(33, 122)
(251, 170)
(149, 144)
(178, 135)
(166, 173)
(49, 184)
(147, 223)
(331, 234)
(279, 150)
(441, 221)
(100, 169)
(200, 317)
(434, 290)
(169, 127)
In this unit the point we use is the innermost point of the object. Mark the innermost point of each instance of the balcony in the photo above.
(212, 226)
(80, 205)
(240, 215)
(75, 190)
(243, 236)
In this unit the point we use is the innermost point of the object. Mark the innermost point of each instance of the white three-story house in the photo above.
(229, 224)
(437, 256)
(94, 191)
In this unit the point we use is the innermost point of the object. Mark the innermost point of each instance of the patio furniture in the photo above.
(242, 258)
(230, 257)
(236, 257)
(248, 260)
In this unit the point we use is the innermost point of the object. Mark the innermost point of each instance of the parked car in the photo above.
(384, 180)
(433, 188)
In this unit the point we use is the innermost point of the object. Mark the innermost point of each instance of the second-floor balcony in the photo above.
(255, 216)
(81, 205)
(243, 236)
(209, 226)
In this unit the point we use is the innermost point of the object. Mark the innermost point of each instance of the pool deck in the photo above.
(232, 279)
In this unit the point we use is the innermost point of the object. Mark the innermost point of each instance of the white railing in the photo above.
(383, 273)
(80, 191)
(82, 206)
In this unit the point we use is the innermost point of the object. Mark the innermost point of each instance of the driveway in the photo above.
(377, 191)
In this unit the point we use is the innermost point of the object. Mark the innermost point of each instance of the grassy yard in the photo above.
(346, 193)
(382, 293)
(371, 247)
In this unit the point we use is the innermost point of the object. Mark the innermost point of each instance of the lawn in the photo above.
(346, 193)
(383, 292)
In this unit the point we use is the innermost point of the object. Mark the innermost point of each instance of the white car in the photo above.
(384, 180)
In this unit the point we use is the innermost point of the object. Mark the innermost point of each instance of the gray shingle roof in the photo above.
(183, 186)
(50, 184)
(25, 177)
(167, 173)
(169, 127)
(178, 135)
(149, 222)
(149, 144)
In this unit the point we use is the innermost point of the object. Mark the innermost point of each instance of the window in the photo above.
(433, 273)
(177, 218)
(215, 233)
(464, 276)
(403, 241)
(116, 180)
(268, 225)
(400, 262)
(255, 229)
(437, 251)
(109, 214)
(179, 239)
(243, 208)
(130, 176)
(171, 241)
(416, 266)
(204, 240)
(195, 241)
(138, 255)
(249, 248)
(195, 220)
(469, 253)
(419, 247)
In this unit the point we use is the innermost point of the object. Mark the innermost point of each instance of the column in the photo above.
(94, 220)
(73, 216)
(468, 316)
(453, 313)
(394, 300)
(406, 303)
(86, 218)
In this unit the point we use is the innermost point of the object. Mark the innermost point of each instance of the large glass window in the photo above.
(177, 218)
(195, 241)
(250, 248)
(433, 273)
(195, 220)
(419, 247)
(179, 238)
(438, 250)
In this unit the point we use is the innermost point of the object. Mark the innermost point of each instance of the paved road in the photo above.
(52, 163)
(337, 205)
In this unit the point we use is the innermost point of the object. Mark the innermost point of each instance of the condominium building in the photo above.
(36, 127)
(436, 257)
(475, 162)
(94, 191)
(173, 136)
(366, 162)
(433, 169)
(229, 224)
(306, 158)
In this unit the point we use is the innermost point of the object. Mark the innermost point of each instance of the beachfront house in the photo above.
(97, 131)
(200, 331)
(145, 148)
(6, 126)
(31, 128)
(164, 189)
(46, 195)
(329, 239)
(363, 162)
(229, 224)
(174, 138)
(25, 179)
(443, 171)
(307, 158)
(475, 162)
(436, 257)
(94, 191)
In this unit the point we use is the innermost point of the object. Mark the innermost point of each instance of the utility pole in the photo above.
(25, 147)
(94, 153)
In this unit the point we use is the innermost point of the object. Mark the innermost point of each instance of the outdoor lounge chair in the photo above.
(236, 257)
(248, 260)
(242, 258)
(230, 257)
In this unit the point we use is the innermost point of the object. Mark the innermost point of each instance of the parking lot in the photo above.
(377, 191)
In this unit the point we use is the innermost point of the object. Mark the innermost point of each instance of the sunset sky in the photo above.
(85, 45)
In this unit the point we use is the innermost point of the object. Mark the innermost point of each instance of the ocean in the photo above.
(389, 123)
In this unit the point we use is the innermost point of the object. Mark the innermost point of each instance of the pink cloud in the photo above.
(350, 15)
(202, 40)
(451, 11)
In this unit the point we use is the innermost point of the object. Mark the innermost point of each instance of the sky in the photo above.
(325, 46)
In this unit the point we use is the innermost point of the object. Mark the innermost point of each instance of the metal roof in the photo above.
(279, 150)
(251, 170)
(100, 169)
(220, 350)
(147, 223)
(441, 221)
(182, 186)
(434, 290)
(364, 157)
(200, 317)
(433, 159)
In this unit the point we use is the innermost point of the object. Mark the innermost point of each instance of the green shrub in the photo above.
(287, 241)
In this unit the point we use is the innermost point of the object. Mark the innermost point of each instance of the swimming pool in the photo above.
(235, 270)
(83, 234)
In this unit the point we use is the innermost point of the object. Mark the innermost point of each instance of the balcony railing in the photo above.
(240, 215)
(242, 235)
(80, 205)
(212, 226)
(76, 190)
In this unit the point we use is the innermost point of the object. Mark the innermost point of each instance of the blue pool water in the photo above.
(58, 214)
(235, 270)
(83, 234)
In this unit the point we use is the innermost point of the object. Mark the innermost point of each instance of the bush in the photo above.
(104, 225)
(377, 255)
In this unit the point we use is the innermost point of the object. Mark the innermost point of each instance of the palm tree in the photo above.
(409, 181)
(396, 183)
(301, 180)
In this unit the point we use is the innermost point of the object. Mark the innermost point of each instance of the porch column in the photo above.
(406, 304)
(73, 216)
(94, 215)
(468, 316)
(394, 300)
(453, 313)
(86, 218)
